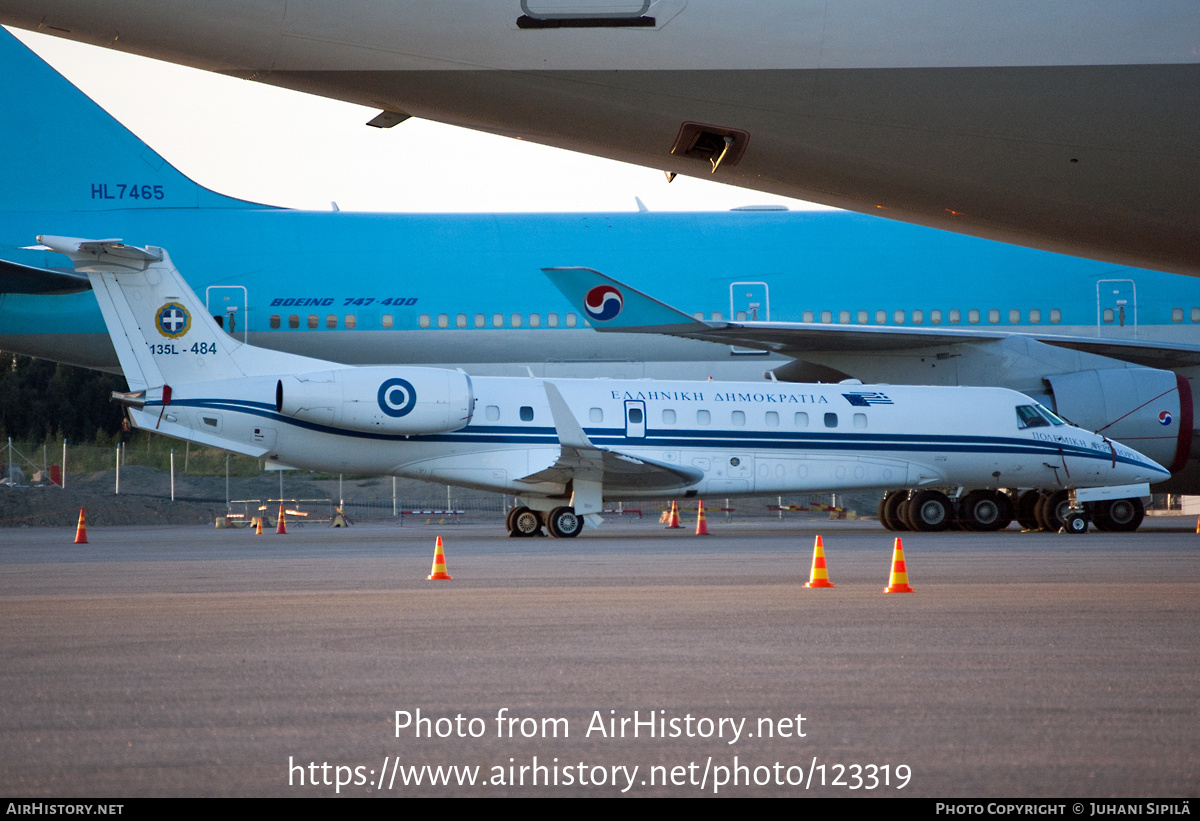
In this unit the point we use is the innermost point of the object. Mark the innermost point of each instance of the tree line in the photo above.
(43, 401)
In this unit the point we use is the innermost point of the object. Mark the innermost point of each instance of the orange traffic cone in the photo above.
(701, 523)
(439, 563)
(674, 520)
(820, 574)
(281, 528)
(81, 530)
(258, 525)
(899, 579)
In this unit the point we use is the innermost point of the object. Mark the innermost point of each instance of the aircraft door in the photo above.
(227, 305)
(749, 302)
(1116, 308)
(635, 419)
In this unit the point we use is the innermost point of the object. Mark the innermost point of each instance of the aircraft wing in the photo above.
(580, 459)
(25, 279)
(610, 305)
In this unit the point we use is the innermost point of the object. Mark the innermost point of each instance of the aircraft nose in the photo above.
(1141, 469)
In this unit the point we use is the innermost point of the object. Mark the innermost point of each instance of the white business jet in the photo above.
(565, 446)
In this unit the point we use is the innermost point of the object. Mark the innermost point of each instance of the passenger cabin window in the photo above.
(843, 317)
(351, 322)
(526, 413)
(635, 415)
(994, 316)
(572, 320)
(772, 419)
(862, 317)
(897, 317)
(1055, 316)
(1176, 314)
(314, 321)
(881, 317)
(1014, 317)
(331, 321)
(807, 317)
(516, 320)
(827, 317)
(387, 322)
(918, 317)
(423, 321)
(443, 320)
(739, 418)
(668, 416)
(480, 321)
(703, 417)
(860, 420)
(293, 321)
(801, 420)
(596, 415)
(274, 322)
(460, 321)
(935, 317)
(497, 320)
(1035, 316)
(973, 316)
(552, 320)
(1195, 314)
(1109, 316)
(535, 320)
(492, 413)
(831, 420)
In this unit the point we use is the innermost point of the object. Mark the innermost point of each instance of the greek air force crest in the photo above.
(173, 320)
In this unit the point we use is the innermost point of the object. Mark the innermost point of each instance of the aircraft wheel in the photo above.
(881, 512)
(523, 522)
(1026, 509)
(984, 510)
(1076, 523)
(893, 513)
(930, 511)
(564, 523)
(1052, 511)
(1120, 515)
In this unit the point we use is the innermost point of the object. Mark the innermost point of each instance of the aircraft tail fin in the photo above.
(608, 304)
(161, 330)
(63, 152)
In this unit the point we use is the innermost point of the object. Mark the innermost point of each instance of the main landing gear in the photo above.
(931, 511)
(561, 522)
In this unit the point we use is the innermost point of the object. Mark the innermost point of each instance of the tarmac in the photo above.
(633, 660)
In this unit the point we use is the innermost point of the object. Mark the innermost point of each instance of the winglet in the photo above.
(611, 305)
(570, 432)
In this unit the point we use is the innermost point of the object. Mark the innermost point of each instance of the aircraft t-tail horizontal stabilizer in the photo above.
(161, 330)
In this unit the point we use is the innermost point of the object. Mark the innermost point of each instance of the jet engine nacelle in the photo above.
(406, 401)
(1147, 409)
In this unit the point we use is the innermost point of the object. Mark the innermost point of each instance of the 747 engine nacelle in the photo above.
(1147, 409)
(407, 401)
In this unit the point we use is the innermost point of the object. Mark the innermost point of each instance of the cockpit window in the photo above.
(1054, 418)
(1028, 417)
